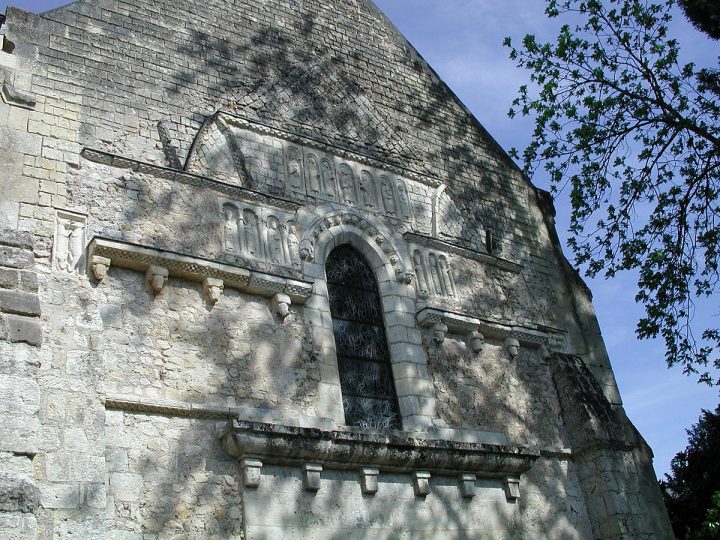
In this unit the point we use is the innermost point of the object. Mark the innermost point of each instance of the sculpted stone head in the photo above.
(281, 305)
(512, 346)
(438, 332)
(476, 341)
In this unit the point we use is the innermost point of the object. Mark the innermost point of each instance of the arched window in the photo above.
(368, 390)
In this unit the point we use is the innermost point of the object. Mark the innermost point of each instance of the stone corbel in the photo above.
(421, 483)
(404, 276)
(213, 289)
(467, 485)
(281, 305)
(99, 267)
(512, 488)
(311, 476)
(156, 277)
(214, 276)
(437, 336)
(512, 346)
(475, 341)
(251, 472)
(476, 330)
(369, 480)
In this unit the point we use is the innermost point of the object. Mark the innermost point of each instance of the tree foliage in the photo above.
(635, 135)
(692, 489)
(704, 14)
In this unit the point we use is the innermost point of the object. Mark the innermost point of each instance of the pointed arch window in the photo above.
(368, 389)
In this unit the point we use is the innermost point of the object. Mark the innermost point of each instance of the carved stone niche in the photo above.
(313, 450)
(69, 243)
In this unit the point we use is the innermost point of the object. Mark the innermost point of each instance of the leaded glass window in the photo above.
(368, 390)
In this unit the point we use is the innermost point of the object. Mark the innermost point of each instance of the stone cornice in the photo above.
(448, 247)
(107, 253)
(464, 324)
(286, 445)
(237, 192)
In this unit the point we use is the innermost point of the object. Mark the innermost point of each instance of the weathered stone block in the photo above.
(60, 496)
(127, 487)
(15, 257)
(9, 278)
(19, 329)
(17, 493)
(74, 467)
(18, 527)
(19, 396)
(20, 303)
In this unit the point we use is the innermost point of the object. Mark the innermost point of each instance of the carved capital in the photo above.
(156, 277)
(213, 289)
(99, 267)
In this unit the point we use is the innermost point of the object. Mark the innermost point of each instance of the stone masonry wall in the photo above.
(20, 337)
(114, 396)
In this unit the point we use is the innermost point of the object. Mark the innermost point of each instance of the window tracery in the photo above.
(368, 390)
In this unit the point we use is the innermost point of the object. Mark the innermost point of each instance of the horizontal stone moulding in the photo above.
(105, 253)
(458, 323)
(191, 179)
(294, 446)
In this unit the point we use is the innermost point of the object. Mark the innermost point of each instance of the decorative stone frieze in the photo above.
(448, 247)
(187, 178)
(262, 234)
(313, 146)
(156, 277)
(251, 472)
(421, 483)
(311, 476)
(139, 258)
(434, 273)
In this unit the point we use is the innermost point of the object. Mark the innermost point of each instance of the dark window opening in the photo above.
(366, 381)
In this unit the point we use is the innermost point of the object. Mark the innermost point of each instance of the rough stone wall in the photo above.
(113, 397)
(20, 335)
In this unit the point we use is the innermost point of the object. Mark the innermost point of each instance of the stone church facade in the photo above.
(262, 275)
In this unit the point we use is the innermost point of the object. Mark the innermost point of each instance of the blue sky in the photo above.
(462, 41)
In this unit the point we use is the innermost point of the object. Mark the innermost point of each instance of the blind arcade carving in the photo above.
(260, 234)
